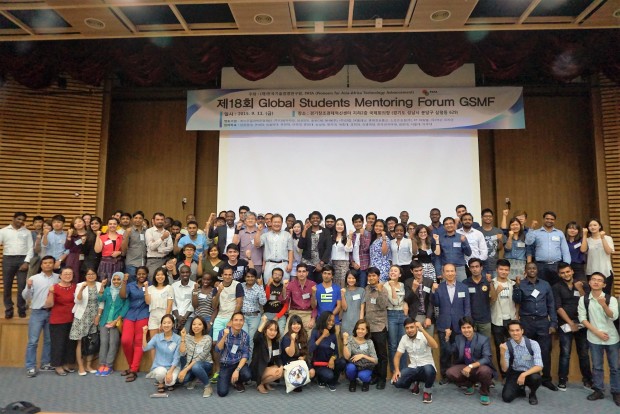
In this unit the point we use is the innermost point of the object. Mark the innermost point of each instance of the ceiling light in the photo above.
(616, 13)
(94, 23)
(263, 19)
(440, 15)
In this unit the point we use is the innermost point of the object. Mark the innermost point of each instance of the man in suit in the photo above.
(418, 295)
(224, 234)
(316, 243)
(452, 299)
(472, 361)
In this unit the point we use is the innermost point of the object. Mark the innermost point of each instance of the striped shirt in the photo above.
(199, 352)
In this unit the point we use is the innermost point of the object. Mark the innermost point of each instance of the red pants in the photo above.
(131, 341)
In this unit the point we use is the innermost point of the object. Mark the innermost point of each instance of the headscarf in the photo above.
(113, 289)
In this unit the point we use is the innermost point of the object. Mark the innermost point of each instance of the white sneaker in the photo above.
(31, 373)
(191, 385)
(207, 392)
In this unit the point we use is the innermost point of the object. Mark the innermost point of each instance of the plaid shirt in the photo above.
(254, 298)
(364, 249)
(240, 341)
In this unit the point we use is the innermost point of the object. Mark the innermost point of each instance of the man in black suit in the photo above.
(223, 233)
(472, 361)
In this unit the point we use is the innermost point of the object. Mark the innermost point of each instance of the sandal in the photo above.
(170, 388)
(160, 388)
(131, 377)
(125, 373)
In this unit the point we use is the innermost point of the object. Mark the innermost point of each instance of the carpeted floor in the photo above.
(111, 394)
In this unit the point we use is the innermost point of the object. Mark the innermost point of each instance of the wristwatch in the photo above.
(238, 369)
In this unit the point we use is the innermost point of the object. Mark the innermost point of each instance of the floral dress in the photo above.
(84, 326)
(379, 261)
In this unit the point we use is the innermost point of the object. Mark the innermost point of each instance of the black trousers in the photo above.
(500, 335)
(10, 270)
(537, 328)
(513, 390)
(63, 348)
(379, 340)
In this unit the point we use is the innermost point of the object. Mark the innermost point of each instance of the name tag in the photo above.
(78, 242)
(240, 268)
(364, 347)
(329, 290)
(332, 345)
(234, 349)
(576, 293)
(555, 238)
(188, 295)
(199, 349)
(143, 289)
(275, 352)
(202, 296)
(252, 242)
(305, 296)
(504, 293)
(456, 244)
(578, 245)
(461, 294)
(231, 296)
(521, 244)
(472, 290)
(429, 252)
(81, 257)
(535, 293)
(107, 242)
(172, 346)
(319, 232)
(426, 289)
(527, 357)
(272, 297)
(373, 301)
(356, 297)
(142, 237)
(216, 269)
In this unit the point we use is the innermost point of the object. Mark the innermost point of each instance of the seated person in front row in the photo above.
(522, 362)
(417, 343)
(472, 361)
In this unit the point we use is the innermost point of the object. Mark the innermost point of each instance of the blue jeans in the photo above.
(581, 344)
(597, 366)
(226, 371)
(131, 271)
(353, 371)
(281, 322)
(396, 331)
(424, 373)
(251, 326)
(330, 376)
(39, 321)
(200, 370)
(362, 278)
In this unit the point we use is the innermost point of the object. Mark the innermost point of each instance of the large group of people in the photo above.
(246, 298)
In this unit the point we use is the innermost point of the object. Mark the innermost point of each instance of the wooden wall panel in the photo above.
(208, 145)
(152, 158)
(49, 150)
(550, 165)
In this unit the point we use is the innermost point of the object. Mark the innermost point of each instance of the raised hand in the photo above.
(104, 282)
(145, 329)
(177, 237)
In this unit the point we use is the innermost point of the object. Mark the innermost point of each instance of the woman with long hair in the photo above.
(323, 346)
(266, 364)
(196, 352)
(574, 239)
(85, 313)
(109, 245)
(515, 250)
(294, 344)
(360, 353)
(167, 349)
(341, 247)
(427, 249)
(75, 243)
(298, 226)
(379, 249)
(599, 247)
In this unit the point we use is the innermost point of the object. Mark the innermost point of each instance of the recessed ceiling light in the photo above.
(94, 23)
(440, 15)
(616, 13)
(263, 19)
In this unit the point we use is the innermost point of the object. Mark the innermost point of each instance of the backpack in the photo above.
(511, 358)
(586, 303)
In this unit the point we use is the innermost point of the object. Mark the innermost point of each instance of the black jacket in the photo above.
(324, 246)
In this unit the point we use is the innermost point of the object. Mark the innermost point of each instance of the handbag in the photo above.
(91, 343)
(119, 325)
(296, 374)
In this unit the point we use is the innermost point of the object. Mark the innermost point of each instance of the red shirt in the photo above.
(63, 304)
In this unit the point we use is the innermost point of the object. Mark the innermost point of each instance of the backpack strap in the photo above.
(511, 353)
(528, 345)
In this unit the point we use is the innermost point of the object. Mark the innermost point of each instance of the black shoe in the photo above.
(587, 384)
(444, 381)
(8, 315)
(298, 389)
(550, 385)
(353, 386)
(416, 388)
(239, 386)
(533, 399)
(22, 315)
(374, 380)
(596, 395)
(562, 385)
(365, 387)
(381, 385)
(616, 397)
(521, 392)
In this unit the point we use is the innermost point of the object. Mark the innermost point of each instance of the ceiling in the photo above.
(101, 19)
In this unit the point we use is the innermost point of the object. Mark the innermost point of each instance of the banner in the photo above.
(351, 109)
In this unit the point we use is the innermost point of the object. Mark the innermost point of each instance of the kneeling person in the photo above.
(233, 346)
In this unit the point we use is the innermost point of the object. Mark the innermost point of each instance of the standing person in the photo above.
(233, 347)
(195, 350)
(274, 308)
(479, 297)
(452, 299)
(18, 251)
(134, 245)
(167, 356)
(296, 234)
(84, 318)
(360, 255)
(428, 250)
(402, 250)
(246, 240)
(375, 313)
(199, 241)
(550, 248)
(566, 294)
(36, 291)
(316, 245)
(54, 241)
(160, 298)
(436, 225)
(360, 352)
(60, 301)
(158, 244)
(278, 248)
(323, 346)
(417, 345)
(37, 234)
(182, 308)
(266, 365)
(397, 311)
(472, 361)
(475, 238)
(404, 217)
(419, 297)
(326, 296)
(597, 312)
(341, 247)
(352, 300)
(75, 242)
(537, 315)
(599, 248)
(522, 361)
(225, 233)
(212, 263)
(202, 299)
(503, 309)
(253, 299)
(573, 233)
(109, 245)
(298, 294)
(112, 310)
(380, 250)
(494, 239)
(515, 249)
(136, 318)
(454, 248)
(91, 257)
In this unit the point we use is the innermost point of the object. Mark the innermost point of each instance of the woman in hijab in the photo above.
(112, 309)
